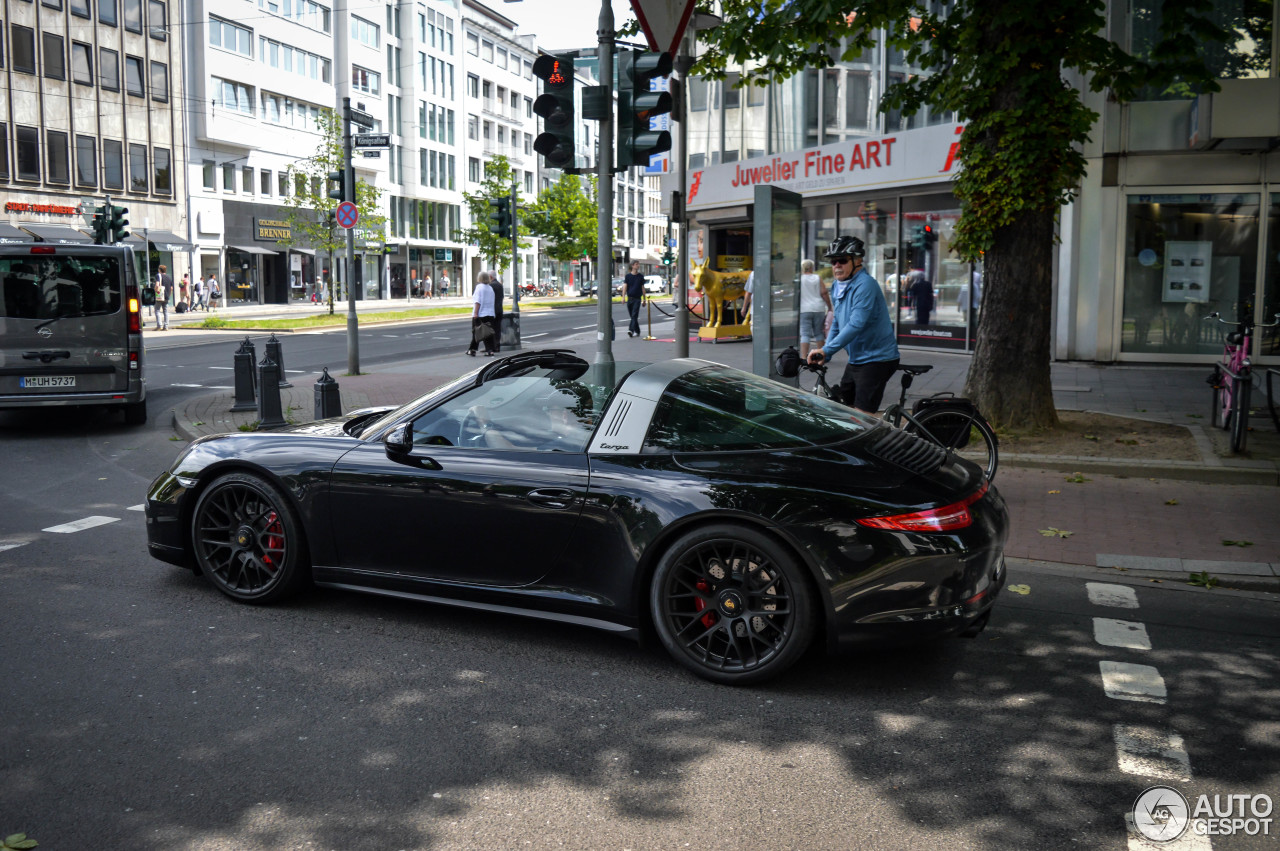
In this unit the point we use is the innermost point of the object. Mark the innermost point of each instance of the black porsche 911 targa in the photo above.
(735, 518)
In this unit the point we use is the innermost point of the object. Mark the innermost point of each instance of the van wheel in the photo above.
(136, 414)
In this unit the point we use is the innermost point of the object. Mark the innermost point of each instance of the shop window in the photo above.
(1187, 256)
(1268, 339)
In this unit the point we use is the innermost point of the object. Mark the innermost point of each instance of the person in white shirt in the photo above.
(198, 290)
(815, 301)
(484, 323)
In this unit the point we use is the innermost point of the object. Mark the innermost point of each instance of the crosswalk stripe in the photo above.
(1148, 752)
(1116, 596)
(1113, 633)
(81, 525)
(1125, 681)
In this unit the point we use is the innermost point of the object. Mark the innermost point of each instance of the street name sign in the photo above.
(371, 140)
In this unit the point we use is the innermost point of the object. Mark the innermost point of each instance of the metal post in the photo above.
(276, 353)
(680, 291)
(515, 269)
(270, 412)
(328, 401)
(244, 381)
(604, 180)
(349, 192)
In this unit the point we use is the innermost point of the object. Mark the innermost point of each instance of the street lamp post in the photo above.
(604, 188)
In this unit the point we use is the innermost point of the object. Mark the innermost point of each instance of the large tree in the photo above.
(1009, 69)
(491, 245)
(309, 209)
(565, 217)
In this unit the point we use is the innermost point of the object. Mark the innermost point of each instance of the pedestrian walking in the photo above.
(815, 302)
(184, 290)
(164, 286)
(861, 326)
(444, 283)
(483, 323)
(215, 291)
(198, 289)
(634, 283)
(495, 281)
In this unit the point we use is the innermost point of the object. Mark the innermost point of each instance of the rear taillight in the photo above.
(135, 310)
(948, 518)
(134, 360)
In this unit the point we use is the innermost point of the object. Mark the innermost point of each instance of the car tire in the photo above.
(247, 541)
(135, 414)
(732, 605)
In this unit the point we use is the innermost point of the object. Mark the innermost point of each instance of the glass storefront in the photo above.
(1268, 339)
(1186, 256)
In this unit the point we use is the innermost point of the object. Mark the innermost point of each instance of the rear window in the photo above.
(49, 287)
(724, 409)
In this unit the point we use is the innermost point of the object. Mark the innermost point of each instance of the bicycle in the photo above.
(1232, 380)
(952, 422)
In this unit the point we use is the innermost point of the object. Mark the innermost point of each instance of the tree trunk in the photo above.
(1009, 375)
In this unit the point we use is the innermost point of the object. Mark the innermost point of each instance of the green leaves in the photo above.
(17, 842)
(1203, 579)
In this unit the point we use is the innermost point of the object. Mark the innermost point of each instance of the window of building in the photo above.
(52, 4)
(282, 184)
(159, 81)
(264, 182)
(228, 178)
(364, 80)
(82, 63)
(4, 151)
(501, 58)
(133, 15)
(138, 175)
(365, 32)
(109, 70)
(55, 57)
(486, 50)
(697, 94)
(86, 161)
(246, 179)
(207, 169)
(732, 94)
(133, 76)
(162, 175)
(473, 44)
(57, 157)
(473, 85)
(112, 164)
(80, 8)
(158, 18)
(528, 108)
(235, 96)
(23, 43)
(473, 128)
(27, 141)
(473, 170)
(228, 36)
(108, 15)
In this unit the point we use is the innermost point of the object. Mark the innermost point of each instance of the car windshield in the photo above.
(374, 429)
(59, 287)
(723, 409)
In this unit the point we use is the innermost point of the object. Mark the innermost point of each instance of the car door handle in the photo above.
(550, 497)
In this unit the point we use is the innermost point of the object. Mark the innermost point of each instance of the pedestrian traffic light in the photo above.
(118, 225)
(638, 104)
(101, 229)
(555, 105)
(668, 258)
(339, 176)
(500, 217)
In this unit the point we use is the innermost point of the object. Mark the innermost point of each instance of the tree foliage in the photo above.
(308, 207)
(1010, 71)
(494, 247)
(565, 217)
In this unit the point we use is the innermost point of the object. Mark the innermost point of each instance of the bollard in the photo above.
(277, 355)
(328, 402)
(270, 414)
(244, 378)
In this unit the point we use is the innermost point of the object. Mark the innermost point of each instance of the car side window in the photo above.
(518, 413)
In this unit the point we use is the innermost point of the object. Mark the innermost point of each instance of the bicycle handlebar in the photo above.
(1216, 315)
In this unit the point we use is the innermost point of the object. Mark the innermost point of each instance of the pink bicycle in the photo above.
(1232, 380)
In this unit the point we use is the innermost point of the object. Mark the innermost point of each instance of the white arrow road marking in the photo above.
(1117, 596)
(1124, 681)
(81, 525)
(1114, 633)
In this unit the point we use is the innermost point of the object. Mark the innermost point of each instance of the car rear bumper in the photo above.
(42, 400)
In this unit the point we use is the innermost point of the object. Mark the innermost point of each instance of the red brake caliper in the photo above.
(275, 537)
(709, 619)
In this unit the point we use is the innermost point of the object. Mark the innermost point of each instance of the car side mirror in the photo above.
(399, 441)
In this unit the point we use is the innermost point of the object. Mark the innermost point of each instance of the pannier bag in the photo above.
(951, 431)
(787, 364)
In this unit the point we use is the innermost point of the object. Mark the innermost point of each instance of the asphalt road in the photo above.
(143, 710)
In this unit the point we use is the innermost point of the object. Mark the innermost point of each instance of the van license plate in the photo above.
(31, 382)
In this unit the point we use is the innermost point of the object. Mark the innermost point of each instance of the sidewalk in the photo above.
(1156, 518)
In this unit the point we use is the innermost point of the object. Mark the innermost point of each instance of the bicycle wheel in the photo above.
(1240, 412)
(1220, 416)
(965, 433)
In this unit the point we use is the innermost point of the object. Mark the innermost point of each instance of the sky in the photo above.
(562, 24)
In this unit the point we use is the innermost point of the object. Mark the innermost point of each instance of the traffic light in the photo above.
(338, 176)
(117, 225)
(668, 258)
(100, 225)
(555, 105)
(500, 217)
(637, 105)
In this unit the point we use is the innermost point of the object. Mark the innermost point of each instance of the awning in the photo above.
(165, 240)
(308, 251)
(58, 234)
(9, 235)
(252, 249)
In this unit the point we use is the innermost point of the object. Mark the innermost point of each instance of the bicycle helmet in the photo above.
(787, 363)
(849, 246)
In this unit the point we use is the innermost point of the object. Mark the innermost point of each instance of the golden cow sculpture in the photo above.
(717, 288)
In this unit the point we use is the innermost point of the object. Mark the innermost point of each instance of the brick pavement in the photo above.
(1119, 513)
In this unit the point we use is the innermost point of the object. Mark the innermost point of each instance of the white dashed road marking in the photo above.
(580, 327)
(81, 525)
(531, 336)
(1125, 681)
(1148, 752)
(1116, 596)
(11, 546)
(1114, 633)
(222, 367)
(186, 385)
(142, 506)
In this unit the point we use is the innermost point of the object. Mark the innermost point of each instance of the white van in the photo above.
(71, 328)
(655, 284)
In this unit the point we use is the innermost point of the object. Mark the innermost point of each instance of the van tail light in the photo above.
(134, 360)
(948, 518)
(135, 311)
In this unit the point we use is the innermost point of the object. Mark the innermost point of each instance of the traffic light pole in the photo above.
(349, 194)
(604, 195)
(515, 267)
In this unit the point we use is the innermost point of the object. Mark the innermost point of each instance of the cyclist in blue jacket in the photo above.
(861, 326)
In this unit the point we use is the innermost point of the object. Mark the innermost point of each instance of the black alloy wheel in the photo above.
(247, 541)
(732, 605)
